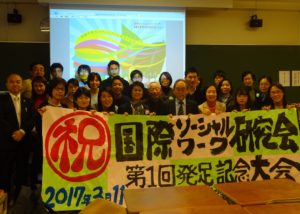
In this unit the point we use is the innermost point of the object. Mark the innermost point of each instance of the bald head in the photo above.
(154, 90)
(180, 90)
(14, 83)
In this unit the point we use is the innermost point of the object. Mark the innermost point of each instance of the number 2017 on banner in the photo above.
(78, 195)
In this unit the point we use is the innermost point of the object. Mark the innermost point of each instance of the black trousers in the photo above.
(13, 162)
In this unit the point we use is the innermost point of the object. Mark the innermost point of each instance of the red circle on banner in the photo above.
(69, 146)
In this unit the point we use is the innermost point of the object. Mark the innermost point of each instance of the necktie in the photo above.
(18, 108)
(180, 109)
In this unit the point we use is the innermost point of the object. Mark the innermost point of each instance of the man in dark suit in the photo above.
(180, 105)
(16, 122)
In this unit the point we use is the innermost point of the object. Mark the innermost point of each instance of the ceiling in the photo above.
(189, 4)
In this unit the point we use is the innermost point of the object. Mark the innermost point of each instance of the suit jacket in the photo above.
(9, 122)
(198, 96)
(230, 103)
(263, 100)
(127, 108)
(158, 106)
(190, 107)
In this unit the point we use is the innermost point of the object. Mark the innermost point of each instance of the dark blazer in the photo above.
(191, 107)
(9, 121)
(198, 96)
(124, 99)
(230, 103)
(263, 100)
(127, 108)
(158, 106)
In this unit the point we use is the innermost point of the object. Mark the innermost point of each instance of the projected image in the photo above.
(135, 45)
(150, 41)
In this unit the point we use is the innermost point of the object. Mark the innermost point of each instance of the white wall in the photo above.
(231, 27)
(203, 26)
(29, 29)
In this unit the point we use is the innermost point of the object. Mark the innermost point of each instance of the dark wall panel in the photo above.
(17, 57)
(234, 59)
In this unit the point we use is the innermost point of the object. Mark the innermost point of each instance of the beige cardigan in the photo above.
(220, 107)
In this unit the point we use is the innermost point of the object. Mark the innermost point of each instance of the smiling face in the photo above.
(94, 83)
(117, 87)
(106, 100)
(137, 93)
(83, 102)
(165, 81)
(192, 79)
(211, 94)
(154, 90)
(276, 95)
(39, 88)
(180, 90)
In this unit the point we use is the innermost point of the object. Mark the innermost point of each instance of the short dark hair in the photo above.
(55, 82)
(92, 76)
(34, 64)
(191, 70)
(268, 78)
(113, 62)
(245, 73)
(106, 90)
(81, 91)
(219, 73)
(12, 74)
(117, 78)
(134, 72)
(73, 81)
(84, 67)
(56, 65)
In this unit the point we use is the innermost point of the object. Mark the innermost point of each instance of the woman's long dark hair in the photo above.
(242, 91)
(38, 79)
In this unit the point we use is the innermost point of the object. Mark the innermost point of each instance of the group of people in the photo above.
(22, 108)
(117, 95)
